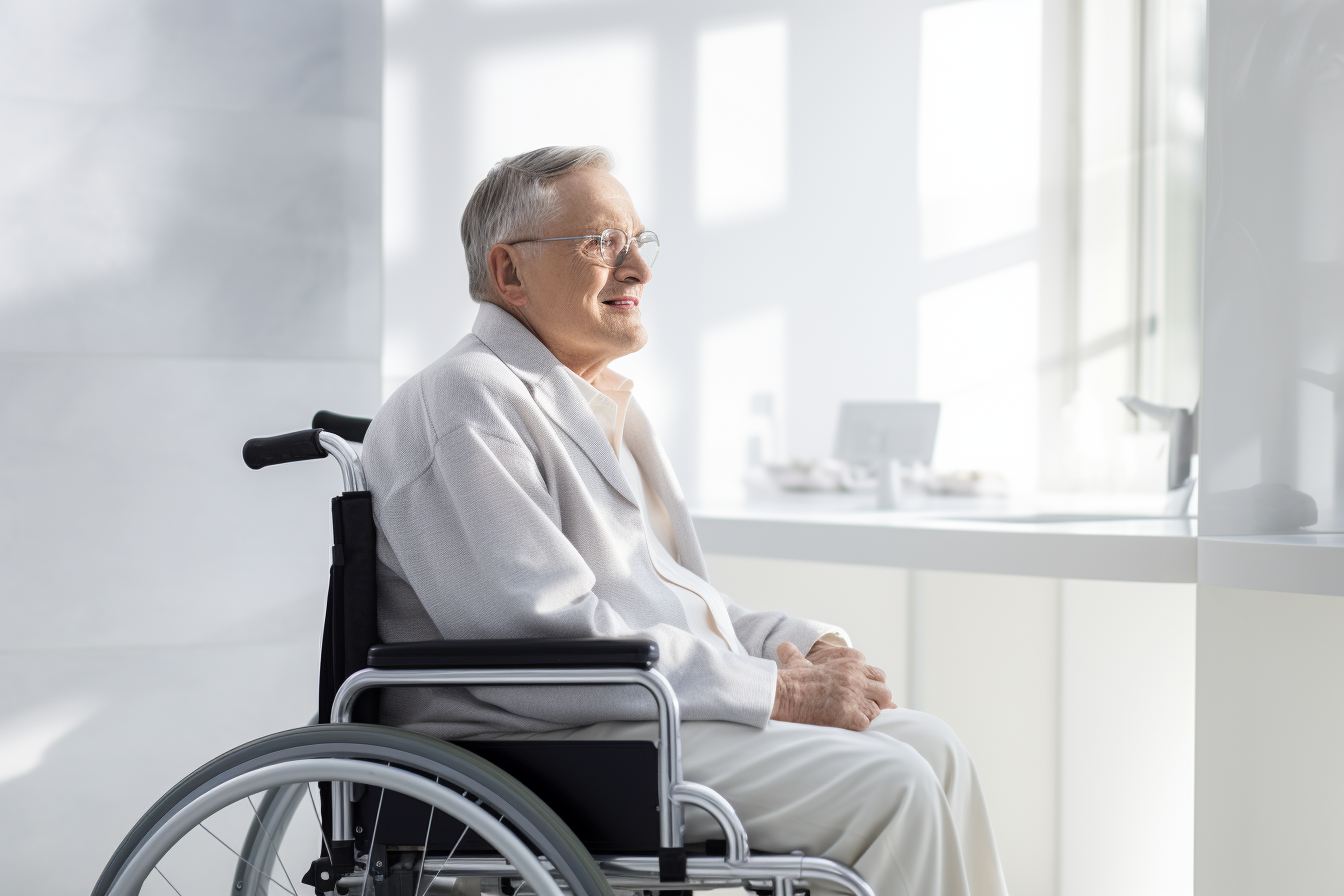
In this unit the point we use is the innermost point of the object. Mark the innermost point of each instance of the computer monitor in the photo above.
(874, 431)
(880, 434)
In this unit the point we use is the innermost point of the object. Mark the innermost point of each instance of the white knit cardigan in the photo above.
(502, 512)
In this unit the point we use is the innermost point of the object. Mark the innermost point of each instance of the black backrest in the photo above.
(352, 604)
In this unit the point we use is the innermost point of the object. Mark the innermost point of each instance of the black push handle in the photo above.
(285, 449)
(351, 429)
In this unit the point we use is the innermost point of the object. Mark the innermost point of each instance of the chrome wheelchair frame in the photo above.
(277, 774)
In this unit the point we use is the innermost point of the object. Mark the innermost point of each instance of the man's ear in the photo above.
(504, 274)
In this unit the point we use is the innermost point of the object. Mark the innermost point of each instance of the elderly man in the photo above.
(519, 491)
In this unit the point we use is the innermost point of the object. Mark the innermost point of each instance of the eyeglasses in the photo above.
(611, 245)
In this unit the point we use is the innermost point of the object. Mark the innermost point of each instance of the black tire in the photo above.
(453, 765)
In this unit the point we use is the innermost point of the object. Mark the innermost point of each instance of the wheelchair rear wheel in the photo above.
(249, 821)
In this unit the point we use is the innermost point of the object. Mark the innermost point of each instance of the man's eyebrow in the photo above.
(609, 224)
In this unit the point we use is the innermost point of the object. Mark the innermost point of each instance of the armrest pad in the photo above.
(517, 653)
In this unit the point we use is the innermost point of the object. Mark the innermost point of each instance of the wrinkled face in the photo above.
(587, 314)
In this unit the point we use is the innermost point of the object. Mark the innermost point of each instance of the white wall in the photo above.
(189, 256)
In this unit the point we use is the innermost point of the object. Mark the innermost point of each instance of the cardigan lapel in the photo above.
(552, 389)
(654, 465)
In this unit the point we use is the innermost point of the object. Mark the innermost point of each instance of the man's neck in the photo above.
(590, 372)
(586, 366)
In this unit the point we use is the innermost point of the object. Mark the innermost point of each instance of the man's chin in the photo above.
(629, 336)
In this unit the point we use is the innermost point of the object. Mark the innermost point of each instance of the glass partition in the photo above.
(1273, 366)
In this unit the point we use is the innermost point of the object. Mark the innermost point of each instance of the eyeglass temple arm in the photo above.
(555, 239)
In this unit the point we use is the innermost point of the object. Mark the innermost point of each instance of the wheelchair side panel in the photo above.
(606, 791)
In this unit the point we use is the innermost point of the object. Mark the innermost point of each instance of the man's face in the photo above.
(584, 312)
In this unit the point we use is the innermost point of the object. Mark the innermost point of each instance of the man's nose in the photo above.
(634, 269)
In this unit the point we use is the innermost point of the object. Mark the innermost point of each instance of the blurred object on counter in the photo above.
(830, 475)
(887, 436)
(965, 484)
(827, 475)
(1182, 429)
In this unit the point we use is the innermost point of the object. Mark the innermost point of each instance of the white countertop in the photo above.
(1123, 541)
(963, 535)
(1309, 563)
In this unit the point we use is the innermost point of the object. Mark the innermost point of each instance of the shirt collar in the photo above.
(608, 399)
(607, 381)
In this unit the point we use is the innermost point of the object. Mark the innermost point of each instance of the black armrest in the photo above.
(517, 653)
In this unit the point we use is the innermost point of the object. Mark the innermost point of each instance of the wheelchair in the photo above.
(381, 811)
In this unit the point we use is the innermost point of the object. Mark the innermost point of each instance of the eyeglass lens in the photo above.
(615, 246)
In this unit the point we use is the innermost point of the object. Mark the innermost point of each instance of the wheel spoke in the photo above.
(318, 815)
(166, 880)
(424, 853)
(245, 861)
(373, 839)
(270, 841)
(451, 853)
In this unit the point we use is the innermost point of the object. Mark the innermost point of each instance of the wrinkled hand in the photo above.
(824, 652)
(828, 651)
(842, 691)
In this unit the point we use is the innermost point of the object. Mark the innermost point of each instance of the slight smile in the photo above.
(623, 302)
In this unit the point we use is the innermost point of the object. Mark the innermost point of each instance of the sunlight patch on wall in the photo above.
(741, 121)
(978, 356)
(742, 390)
(574, 92)
(25, 738)
(979, 123)
(395, 10)
(401, 161)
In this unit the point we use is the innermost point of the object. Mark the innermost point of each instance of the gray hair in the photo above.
(515, 200)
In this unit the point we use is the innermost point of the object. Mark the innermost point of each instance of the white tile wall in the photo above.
(131, 517)
(189, 257)
(137, 720)
(161, 231)
(319, 56)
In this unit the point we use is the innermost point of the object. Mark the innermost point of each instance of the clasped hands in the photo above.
(832, 685)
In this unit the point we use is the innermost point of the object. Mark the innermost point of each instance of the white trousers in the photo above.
(900, 803)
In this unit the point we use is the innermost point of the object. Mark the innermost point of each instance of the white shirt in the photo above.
(705, 610)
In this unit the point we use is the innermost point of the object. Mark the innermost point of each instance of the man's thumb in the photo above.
(788, 652)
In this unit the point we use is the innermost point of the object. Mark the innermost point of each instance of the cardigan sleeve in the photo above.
(762, 631)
